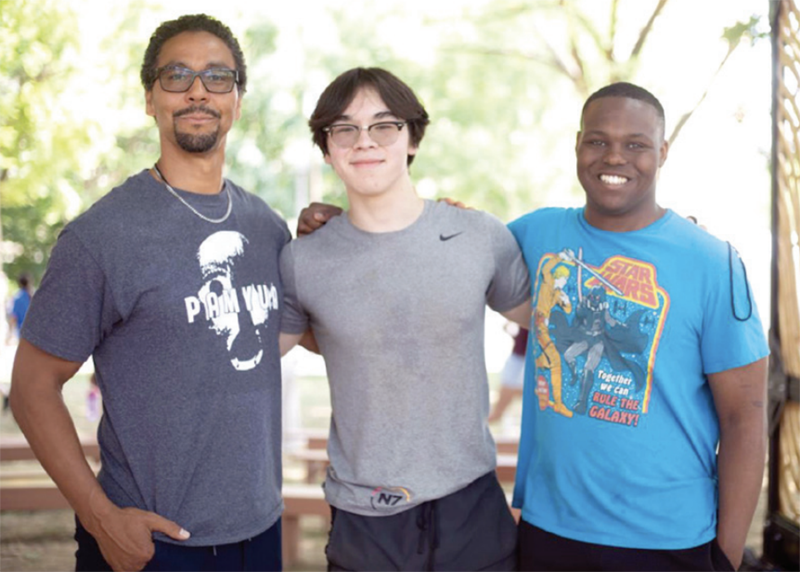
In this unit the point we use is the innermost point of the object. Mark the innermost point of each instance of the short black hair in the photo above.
(24, 280)
(191, 23)
(398, 97)
(629, 90)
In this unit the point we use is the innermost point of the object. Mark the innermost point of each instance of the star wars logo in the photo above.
(635, 279)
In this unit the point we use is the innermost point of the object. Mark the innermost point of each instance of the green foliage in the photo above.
(37, 224)
(130, 143)
(484, 101)
(741, 30)
(39, 140)
(257, 142)
(503, 81)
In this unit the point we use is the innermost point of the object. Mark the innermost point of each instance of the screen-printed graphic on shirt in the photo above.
(233, 306)
(597, 331)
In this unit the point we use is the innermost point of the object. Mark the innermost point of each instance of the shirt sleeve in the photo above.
(511, 284)
(73, 309)
(294, 319)
(732, 333)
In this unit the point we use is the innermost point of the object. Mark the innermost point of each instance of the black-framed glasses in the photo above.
(178, 79)
(383, 133)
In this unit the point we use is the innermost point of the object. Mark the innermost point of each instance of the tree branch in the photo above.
(646, 30)
(553, 60)
(612, 31)
(686, 116)
(601, 44)
(580, 78)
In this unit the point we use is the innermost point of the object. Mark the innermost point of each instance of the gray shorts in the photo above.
(471, 529)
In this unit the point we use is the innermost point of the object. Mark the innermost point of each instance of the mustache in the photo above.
(196, 109)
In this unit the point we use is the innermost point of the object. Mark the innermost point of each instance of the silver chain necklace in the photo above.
(190, 207)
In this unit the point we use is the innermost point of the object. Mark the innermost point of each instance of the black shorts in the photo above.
(542, 550)
(471, 529)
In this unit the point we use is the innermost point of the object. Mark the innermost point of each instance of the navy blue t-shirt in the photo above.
(182, 318)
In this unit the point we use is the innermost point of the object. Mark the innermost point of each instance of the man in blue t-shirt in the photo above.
(661, 358)
(20, 302)
(17, 309)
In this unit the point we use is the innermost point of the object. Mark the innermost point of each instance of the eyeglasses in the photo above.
(383, 133)
(178, 79)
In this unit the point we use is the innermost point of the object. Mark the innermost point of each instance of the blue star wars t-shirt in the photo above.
(619, 429)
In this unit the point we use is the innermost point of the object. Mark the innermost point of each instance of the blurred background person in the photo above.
(18, 306)
(513, 374)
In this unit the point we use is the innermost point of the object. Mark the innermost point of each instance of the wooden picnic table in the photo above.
(16, 448)
(316, 462)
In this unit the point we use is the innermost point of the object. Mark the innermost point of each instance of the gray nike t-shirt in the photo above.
(399, 319)
(182, 318)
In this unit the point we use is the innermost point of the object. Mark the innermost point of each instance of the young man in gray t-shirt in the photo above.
(395, 293)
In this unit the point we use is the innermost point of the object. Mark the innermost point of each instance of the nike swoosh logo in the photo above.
(443, 237)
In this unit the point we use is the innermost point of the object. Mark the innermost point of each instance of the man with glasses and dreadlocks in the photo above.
(395, 292)
(171, 282)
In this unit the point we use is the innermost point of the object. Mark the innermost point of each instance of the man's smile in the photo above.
(613, 180)
(366, 163)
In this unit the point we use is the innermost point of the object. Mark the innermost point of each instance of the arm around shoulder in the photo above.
(314, 217)
(521, 315)
(306, 339)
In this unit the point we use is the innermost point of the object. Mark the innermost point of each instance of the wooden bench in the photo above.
(31, 494)
(35, 492)
(506, 467)
(38, 492)
(16, 448)
(318, 439)
(507, 444)
(26, 487)
(299, 500)
(316, 461)
(29, 487)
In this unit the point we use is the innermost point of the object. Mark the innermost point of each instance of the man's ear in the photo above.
(578, 136)
(238, 105)
(148, 100)
(663, 152)
(327, 158)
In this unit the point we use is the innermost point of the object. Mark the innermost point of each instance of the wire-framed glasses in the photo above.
(384, 133)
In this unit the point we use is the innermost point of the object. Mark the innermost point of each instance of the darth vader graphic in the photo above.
(599, 335)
